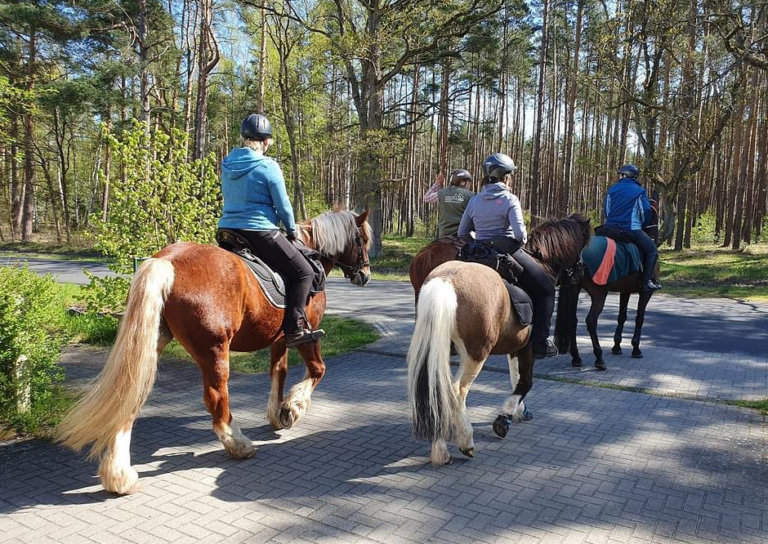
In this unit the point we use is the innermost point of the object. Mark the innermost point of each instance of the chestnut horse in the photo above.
(210, 302)
(468, 304)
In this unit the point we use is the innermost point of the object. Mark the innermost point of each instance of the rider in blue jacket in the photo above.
(627, 208)
(255, 199)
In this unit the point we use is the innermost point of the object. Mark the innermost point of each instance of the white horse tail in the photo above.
(431, 393)
(125, 382)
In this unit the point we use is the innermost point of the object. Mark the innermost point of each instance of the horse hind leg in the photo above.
(467, 373)
(115, 470)
(300, 396)
(214, 364)
(623, 305)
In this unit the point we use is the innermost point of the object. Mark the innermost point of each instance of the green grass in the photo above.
(710, 271)
(342, 335)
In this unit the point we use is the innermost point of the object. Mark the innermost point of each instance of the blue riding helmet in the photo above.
(629, 171)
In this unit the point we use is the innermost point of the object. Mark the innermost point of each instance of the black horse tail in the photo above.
(565, 324)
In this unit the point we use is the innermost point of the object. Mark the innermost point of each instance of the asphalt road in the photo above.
(712, 325)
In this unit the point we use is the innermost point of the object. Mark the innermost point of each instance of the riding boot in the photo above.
(303, 336)
(542, 315)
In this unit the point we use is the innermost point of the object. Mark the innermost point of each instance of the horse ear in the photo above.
(362, 218)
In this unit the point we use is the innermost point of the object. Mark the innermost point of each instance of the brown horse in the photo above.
(430, 257)
(468, 304)
(566, 323)
(210, 302)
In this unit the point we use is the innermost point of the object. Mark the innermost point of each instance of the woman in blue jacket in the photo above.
(496, 216)
(255, 199)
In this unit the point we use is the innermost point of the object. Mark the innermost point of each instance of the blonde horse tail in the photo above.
(125, 382)
(431, 393)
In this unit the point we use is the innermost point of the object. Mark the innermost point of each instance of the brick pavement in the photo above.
(595, 466)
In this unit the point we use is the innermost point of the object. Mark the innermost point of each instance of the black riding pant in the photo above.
(535, 282)
(542, 291)
(282, 256)
(650, 253)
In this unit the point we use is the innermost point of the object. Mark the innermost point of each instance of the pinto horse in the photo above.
(468, 304)
(210, 302)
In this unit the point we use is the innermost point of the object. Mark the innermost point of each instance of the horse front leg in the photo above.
(278, 370)
(623, 305)
(595, 309)
(645, 297)
(300, 395)
(521, 377)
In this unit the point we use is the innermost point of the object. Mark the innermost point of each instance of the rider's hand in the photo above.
(440, 180)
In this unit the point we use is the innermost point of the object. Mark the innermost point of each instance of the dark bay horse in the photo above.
(468, 304)
(566, 323)
(209, 301)
(427, 259)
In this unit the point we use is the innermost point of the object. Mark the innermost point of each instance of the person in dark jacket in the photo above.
(496, 216)
(255, 199)
(627, 208)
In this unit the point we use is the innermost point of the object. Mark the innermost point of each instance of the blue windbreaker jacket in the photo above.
(627, 206)
(254, 192)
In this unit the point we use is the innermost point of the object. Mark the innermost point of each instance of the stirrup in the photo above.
(303, 336)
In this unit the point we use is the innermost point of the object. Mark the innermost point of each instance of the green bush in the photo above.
(31, 338)
(105, 295)
(161, 199)
(704, 230)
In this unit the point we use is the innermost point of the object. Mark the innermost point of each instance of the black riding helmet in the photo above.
(256, 127)
(629, 171)
(460, 175)
(498, 165)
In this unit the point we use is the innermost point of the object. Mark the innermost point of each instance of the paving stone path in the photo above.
(595, 465)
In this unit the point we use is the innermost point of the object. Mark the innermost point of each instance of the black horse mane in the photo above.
(557, 243)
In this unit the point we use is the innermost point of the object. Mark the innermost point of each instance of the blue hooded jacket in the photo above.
(254, 193)
(494, 212)
(627, 206)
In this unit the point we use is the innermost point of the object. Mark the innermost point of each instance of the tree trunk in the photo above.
(570, 119)
(536, 166)
(207, 59)
(28, 214)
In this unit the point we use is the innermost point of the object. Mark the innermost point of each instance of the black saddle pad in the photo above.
(272, 283)
(617, 234)
(521, 302)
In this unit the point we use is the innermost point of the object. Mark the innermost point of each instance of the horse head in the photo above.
(342, 238)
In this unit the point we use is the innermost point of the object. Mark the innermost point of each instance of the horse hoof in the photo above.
(616, 350)
(527, 415)
(286, 418)
(469, 452)
(501, 426)
(600, 365)
(576, 363)
(637, 354)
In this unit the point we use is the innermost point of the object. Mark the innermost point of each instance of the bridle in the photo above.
(351, 271)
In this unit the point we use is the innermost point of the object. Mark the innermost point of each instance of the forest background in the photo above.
(117, 113)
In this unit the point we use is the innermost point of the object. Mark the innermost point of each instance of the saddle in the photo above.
(508, 268)
(272, 283)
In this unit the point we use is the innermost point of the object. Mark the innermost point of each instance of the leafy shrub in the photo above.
(703, 231)
(30, 342)
(105, 295)
(164, 198)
